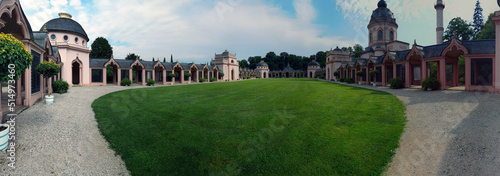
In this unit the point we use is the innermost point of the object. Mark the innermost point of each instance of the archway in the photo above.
(159, 73)
(232, 75)
(205, 74)
(265, 75)
(112, 73)
(194, 74)
(448, 69)
(75, 67)
(310, 74)
(138, 73)
(287, 75)
(178, 74)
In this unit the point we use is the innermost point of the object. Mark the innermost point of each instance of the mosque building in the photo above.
(65, 42)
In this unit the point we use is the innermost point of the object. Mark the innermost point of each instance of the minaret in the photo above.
(439, 18)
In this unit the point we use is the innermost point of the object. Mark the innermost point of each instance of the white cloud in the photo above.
(305, 10)
(194, 30)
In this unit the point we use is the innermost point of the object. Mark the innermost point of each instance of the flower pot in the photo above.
(359, 83)
(49, 99)
(4, 137)
(189, 82)
(374, 84)
(171, 83)
(429, 89)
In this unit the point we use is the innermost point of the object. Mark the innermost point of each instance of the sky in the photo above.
(195, 30)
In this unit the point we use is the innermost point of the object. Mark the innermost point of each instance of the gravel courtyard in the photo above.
(63, 138)
(447, 133)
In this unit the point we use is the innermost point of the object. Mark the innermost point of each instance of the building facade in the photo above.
(229, 65)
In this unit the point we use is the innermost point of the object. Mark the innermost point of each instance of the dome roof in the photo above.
(64, 24)
(262, 63)
(383, 13)
(337, 49)
(313, 63)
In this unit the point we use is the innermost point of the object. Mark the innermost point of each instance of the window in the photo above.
(232, 61)
(65, 38)
(364, 74)
(481, 72)
(371, 37)
(35, 77)
(380, 35)
(53, 37)
(97, 75)
(76, 39)
(378, 77)
(391, 35)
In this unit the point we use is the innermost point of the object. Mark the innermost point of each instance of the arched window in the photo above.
(391, 35)
(380, 35)
(371, 37)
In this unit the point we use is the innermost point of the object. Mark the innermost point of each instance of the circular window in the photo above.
(66, 38)
(76, 39)
(53, 37)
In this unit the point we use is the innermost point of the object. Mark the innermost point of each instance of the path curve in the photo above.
(447, 133)
(63, 138)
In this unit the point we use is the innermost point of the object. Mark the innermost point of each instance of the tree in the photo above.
(132, 56)
(459, 28)
(358, 49)
(478, 19)
(321, 58)
(101, 48)
(164, 59)
(243, 63)
(47, 70)
(171, 59)
(13, 51)
(488, 30)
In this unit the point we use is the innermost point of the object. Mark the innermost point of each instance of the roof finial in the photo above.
(454, 34)
(414, 41)
(111, 56)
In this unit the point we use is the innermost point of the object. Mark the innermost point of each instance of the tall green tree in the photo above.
(132, 56)
(164, 59)
(358, 49)
(478, 19)
(171, 59)
(460, 28)
(488, 31)
(321, 58)
(243, 63)
(101, 48)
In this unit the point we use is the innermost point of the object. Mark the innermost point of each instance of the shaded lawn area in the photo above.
(266, 126)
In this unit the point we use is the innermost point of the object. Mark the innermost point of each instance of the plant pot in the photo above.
(374, 84)
(359, 83)
(49, 99)
(4, 137)
(429, 89)
(189, 82)
(171, 83)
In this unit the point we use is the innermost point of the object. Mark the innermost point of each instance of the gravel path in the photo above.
(63, 138)
(447, 133)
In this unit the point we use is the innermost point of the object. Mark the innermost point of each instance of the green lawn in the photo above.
(253, 127)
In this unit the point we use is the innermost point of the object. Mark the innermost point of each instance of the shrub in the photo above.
(431, 83)
(171, 75)
(60, 86)
(248, 77)
(213, 79)
(125, 82)
(188, 75)
(349, 80)
(13, 51)
(342, 79)
(222, 74)
(202, 80)
(150, 82)
(258, 77)
(396, 83)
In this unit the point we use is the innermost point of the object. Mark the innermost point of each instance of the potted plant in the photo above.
(188, 75)
(431, 84)
(373, 73)
(171, 75)
(221, 75)
(150, 82)
(14, 58)
(125, 82)
(359, 74)
(48, 69)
